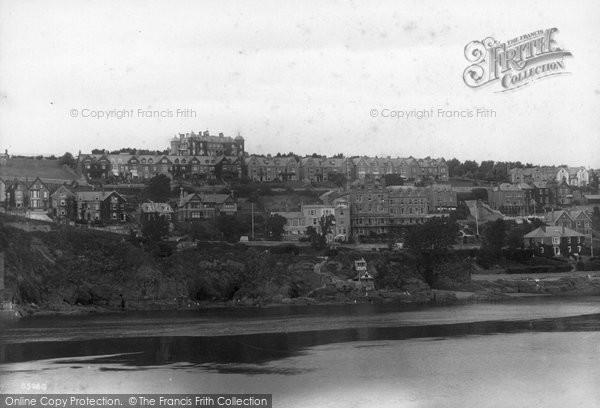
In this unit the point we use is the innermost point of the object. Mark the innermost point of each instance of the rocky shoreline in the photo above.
(494, 292)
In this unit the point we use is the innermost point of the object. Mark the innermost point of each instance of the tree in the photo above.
(494, 237)
(455, 168)
(275, 226)
(318, 238)
(393, 180)
(436, 235)
(155, 229)
(486, 170)
(68, 160)
(229, 227)
(470, 168)
(337, 178)
(159, 188)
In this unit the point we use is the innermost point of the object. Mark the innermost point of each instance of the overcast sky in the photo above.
(293, 76)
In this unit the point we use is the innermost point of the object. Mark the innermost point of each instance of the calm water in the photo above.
(529, 352)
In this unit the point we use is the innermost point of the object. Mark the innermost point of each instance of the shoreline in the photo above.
(442, 298)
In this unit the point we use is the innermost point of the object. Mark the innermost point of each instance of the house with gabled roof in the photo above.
(555, 241)
(63, 204)
(16, 195)
(39, 195)
(95, 166)
(582, 222)
(577, 220)
(150, 210)
(362, 167)
(195, 206)
(100, 206)
(273, 168)
(228, 167)
(579, 176)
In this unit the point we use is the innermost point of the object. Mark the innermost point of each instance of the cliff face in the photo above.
(57, 269)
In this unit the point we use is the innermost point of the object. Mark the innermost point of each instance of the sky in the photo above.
(307, 76)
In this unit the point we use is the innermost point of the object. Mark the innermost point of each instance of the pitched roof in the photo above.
(508, 187)
(546, 232)
(152, 207)
(540, 184)
(61, 189)
(271, 161)
(205, 198)
(555, 215)
(406, 191)
(91, 195)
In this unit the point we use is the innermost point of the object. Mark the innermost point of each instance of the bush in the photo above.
(591, 265)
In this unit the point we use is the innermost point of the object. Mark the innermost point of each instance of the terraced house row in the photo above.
(573, 176)
(318, 169)
(143, 167)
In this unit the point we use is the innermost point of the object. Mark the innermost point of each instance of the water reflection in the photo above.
(230, 354)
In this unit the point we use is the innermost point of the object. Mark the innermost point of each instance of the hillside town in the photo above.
(201, 178)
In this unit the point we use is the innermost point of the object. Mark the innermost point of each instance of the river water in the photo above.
(533, 352)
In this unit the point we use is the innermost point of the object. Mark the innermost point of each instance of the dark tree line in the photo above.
(486, 170)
